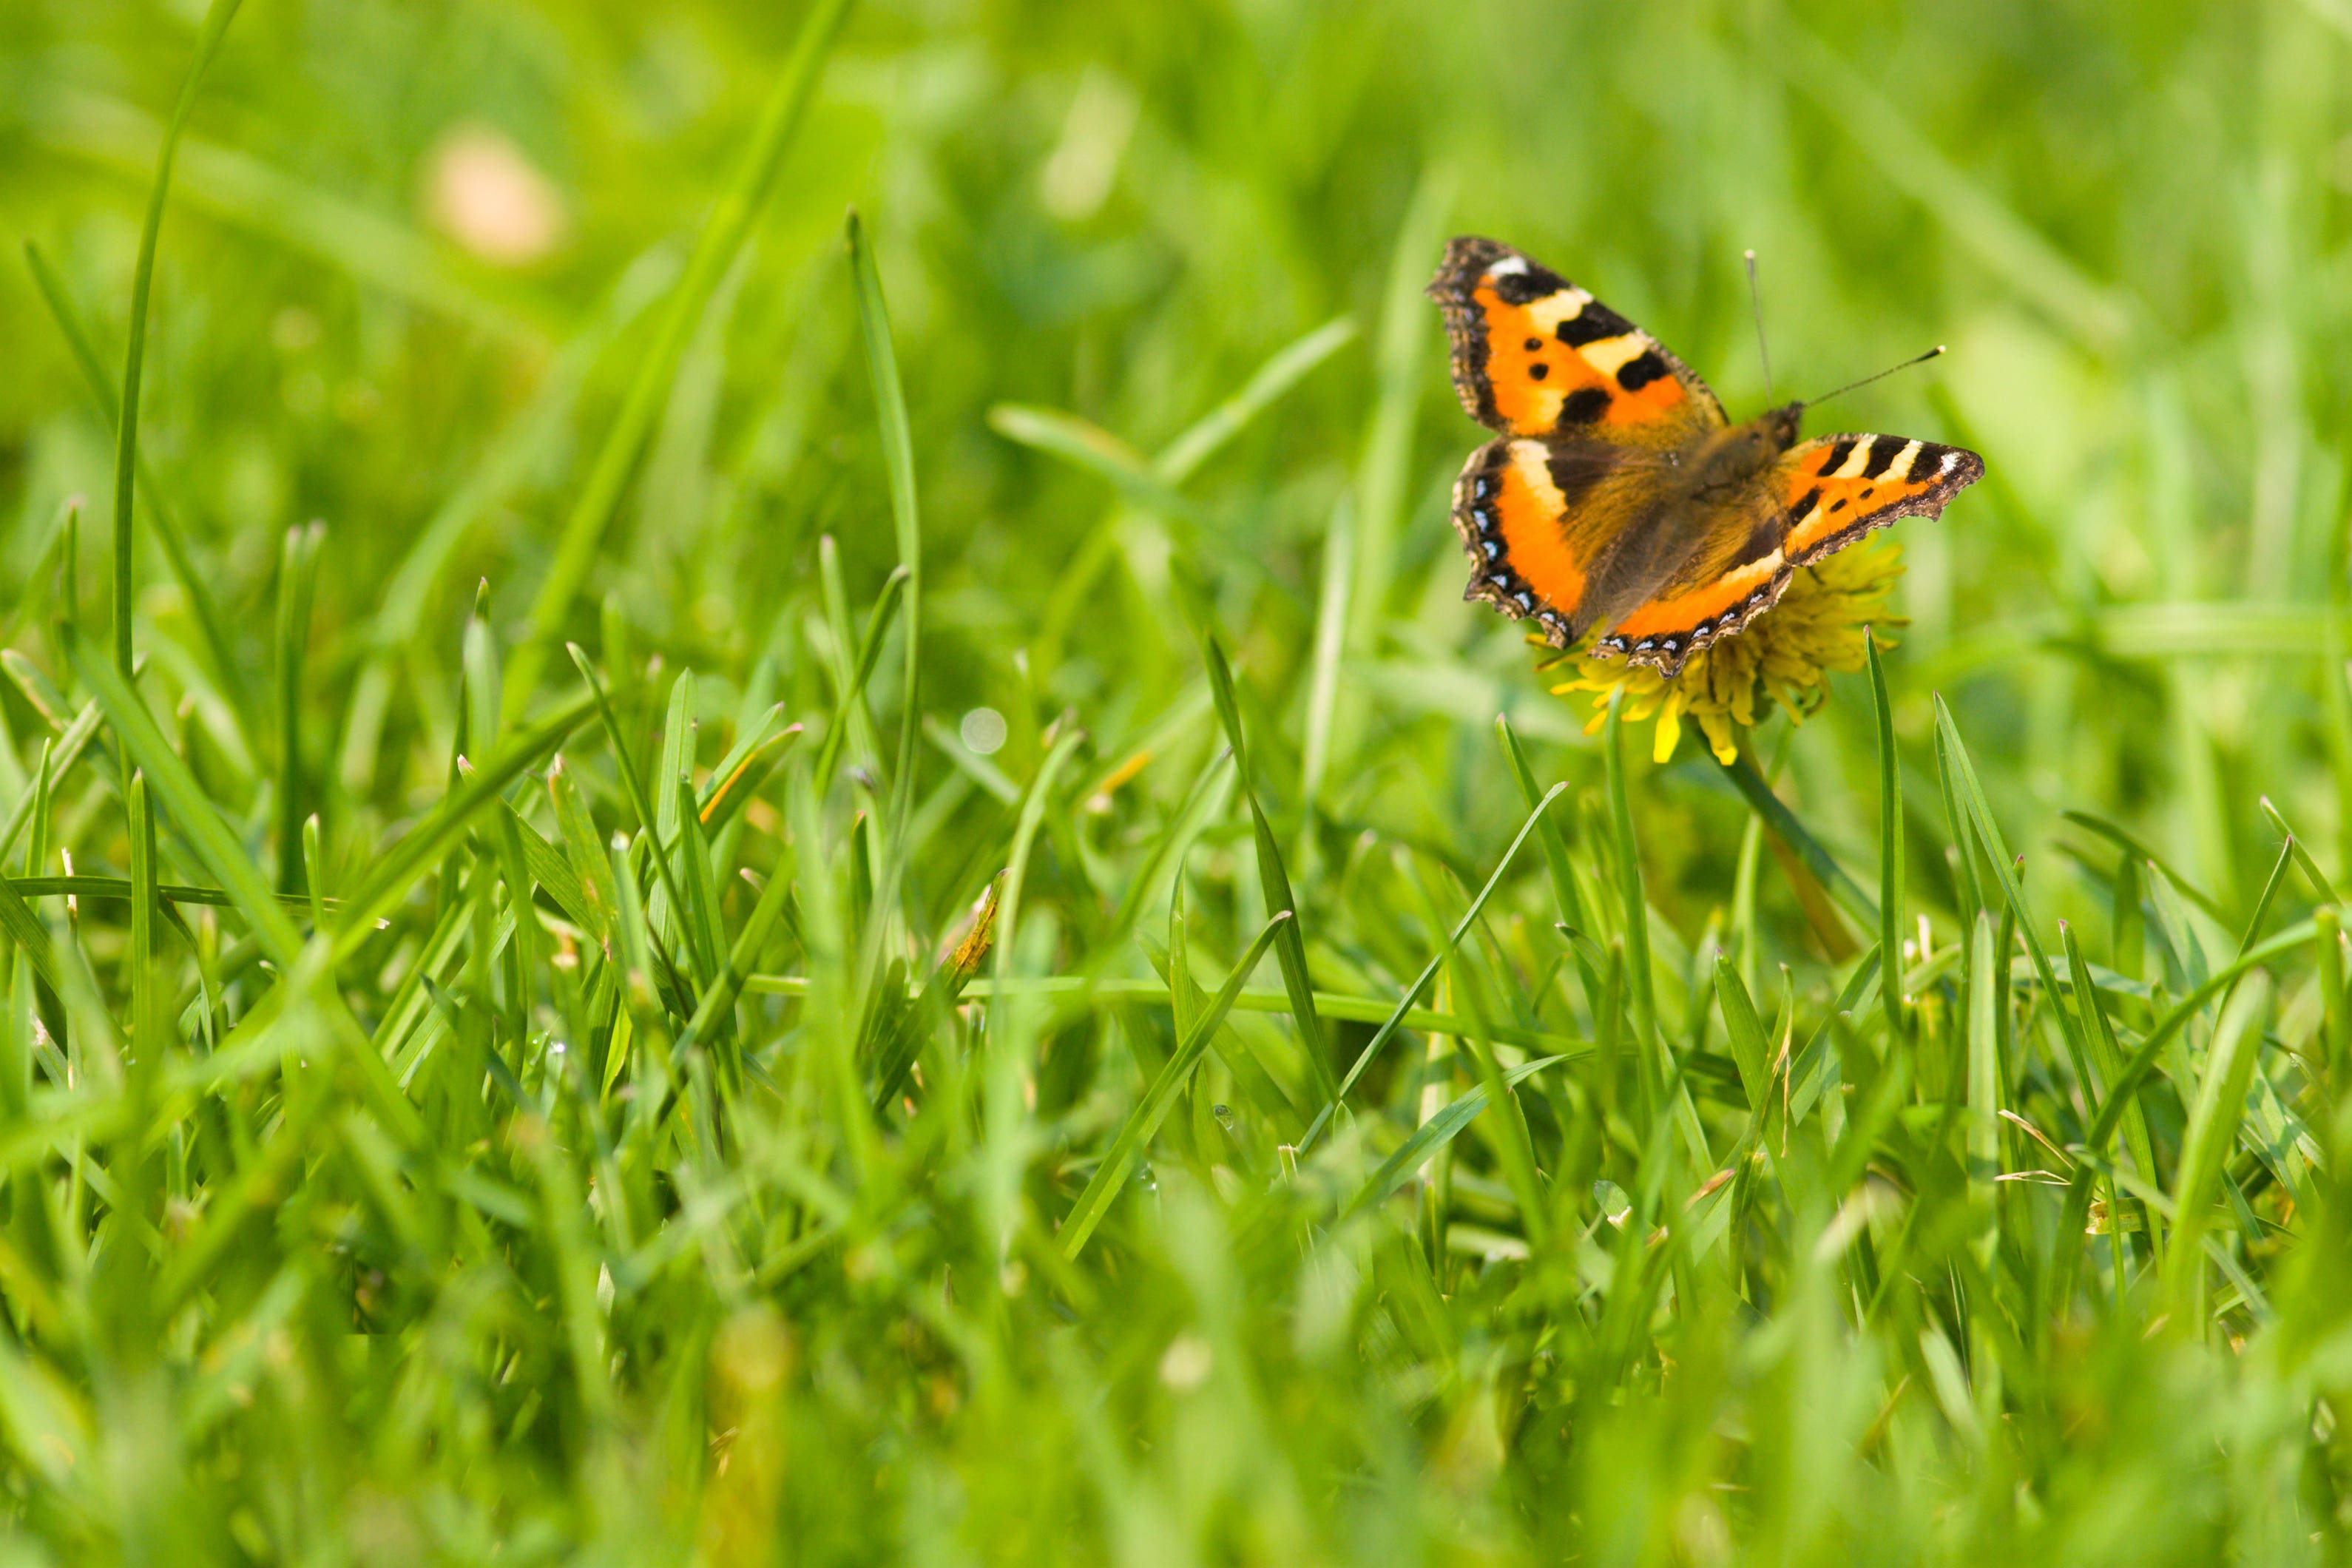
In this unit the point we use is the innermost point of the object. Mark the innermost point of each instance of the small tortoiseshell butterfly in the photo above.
(1618, 497)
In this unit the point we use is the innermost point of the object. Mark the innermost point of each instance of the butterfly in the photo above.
(1617, 497)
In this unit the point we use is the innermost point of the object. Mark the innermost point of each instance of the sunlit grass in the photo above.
(534, 1029)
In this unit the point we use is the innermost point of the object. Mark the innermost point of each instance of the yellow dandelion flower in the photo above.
(1783, 657)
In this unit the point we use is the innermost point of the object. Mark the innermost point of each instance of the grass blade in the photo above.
(947, 987)
(1752, 787)
(149, 1015)
(192, 811)
(1289, 367)
(297, 577)
(719, 999)
(56, 759)
(1433, 1136)
(407, 859)
(550, 870)
(869, 650)
(1565, 897)
(715, 250)
(1987, 994)
(2108, 1056)
(633, 785)
(1337, 573)
(2123, 839)
(1289, 945)
(217, 16)
(2213, 1122)
(1633, 908)
(2270, 892)
(2335, 1023)
(23, 927)
(1891, 999)
(2317, 877)
(906, 521)
(1090, 448)
(1962, 850)
(1429, 971)
(2142, 1060)
(699, 918)
(195, 584)
(1144, 1121)
(1745, 1031)
(1972, 800)
(1660, 1077)
(590, 861)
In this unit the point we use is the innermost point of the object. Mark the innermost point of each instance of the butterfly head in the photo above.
(1781, 423)
(1742, 452)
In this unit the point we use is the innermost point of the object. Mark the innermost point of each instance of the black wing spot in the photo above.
(1838, 505)
(1533, 344)
(1637, 373)
(1836, 459)
(1804, 507)
(1538, 370)
(1591, 324)
(1527, 288)
(1882, 457)
(1584, 406)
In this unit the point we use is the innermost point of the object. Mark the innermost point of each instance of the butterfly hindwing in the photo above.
(1838, 487)
(1738, 571)
(1534, 355)
(1541, 521)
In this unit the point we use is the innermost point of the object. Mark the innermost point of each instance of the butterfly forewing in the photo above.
(1839, 488)
(1536, 355)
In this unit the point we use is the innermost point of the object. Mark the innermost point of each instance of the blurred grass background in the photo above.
(414, 264)
(2130, 229)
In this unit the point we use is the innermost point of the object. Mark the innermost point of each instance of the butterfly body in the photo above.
(1617, 497)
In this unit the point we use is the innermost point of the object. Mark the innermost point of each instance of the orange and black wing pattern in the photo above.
(1838, 487)
(1823, 496)
(1534, 355)
(1665, 633)
(1540, 519)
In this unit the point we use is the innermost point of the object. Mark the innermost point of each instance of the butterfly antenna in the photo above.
(1756, 303)
(1882, 375)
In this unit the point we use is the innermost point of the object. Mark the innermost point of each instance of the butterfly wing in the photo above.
(1838, 487)
(1735, 575)
(1820, 497)
(1535, 356)
(1543, 522)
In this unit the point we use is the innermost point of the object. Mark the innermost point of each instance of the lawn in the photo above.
(748, 815)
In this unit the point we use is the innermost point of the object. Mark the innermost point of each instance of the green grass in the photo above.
(767, 891)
